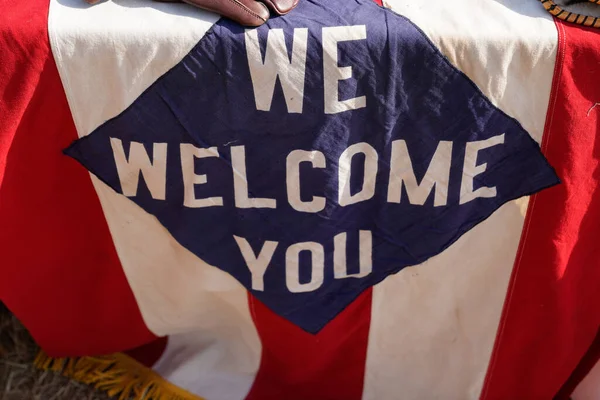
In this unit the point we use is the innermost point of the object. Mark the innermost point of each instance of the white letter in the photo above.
(277, 64)
(317, 159)
(188, 152)
(240, 182)
(333, 73)
(438, 174)
(365, 255)
(292, 267)
(256, 265)
(368, 187)
(471, 170)
(154, 172)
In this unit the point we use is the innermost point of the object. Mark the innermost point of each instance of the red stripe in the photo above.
(552, 311)
(296, 365)
(60, 273)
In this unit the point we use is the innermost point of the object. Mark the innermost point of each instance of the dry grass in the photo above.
(19, 380)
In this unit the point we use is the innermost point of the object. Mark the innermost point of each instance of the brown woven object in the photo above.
(568, 16)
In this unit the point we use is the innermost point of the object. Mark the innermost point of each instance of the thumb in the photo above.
(245, 12)
(281, 7)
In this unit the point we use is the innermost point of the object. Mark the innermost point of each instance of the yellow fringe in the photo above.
(117, 375)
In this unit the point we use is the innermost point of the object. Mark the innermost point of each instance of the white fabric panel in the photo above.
(589, 388)
(433, 326)
(107, 55)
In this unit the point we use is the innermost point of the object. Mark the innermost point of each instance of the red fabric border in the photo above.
(552, 311)
(61, 275)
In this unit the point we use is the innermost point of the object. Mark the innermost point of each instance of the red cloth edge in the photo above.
(551, 314)
(58, 258)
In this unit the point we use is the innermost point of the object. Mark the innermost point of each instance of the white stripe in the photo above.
(433, 326)
(107, 55)
(589, 388)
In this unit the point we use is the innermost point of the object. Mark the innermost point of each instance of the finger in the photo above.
(281, 7)
(246, 12)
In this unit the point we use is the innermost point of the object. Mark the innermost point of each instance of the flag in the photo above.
(349, 202)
